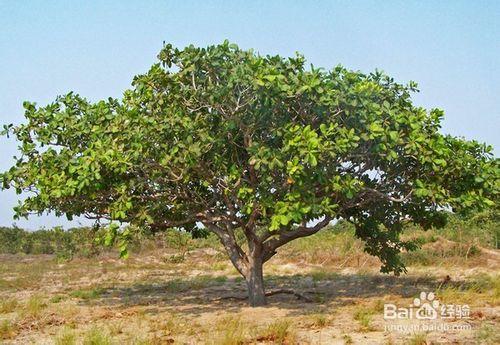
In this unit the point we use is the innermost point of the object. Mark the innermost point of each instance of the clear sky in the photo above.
(451, 48)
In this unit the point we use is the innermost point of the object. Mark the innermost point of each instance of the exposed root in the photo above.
(290, 292)
(271, 293)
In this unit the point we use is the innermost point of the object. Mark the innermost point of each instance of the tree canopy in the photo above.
(224, 140)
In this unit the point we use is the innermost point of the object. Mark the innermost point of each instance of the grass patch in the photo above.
(57, 298)
(25, 276)
(8, 305)
(136, 340)
(7, 330)
(220, 279)
(487, 284)
(231, 331)
(65, 337)
(446, 253)
(319, 320)
(417, 339)
(329, 246)
(488, 335)
(168, 326)
(34, 306)
(482, 288)
(219, 266)
(95, 336)
(378, 306)
(88, 294)
(320, 275)
(278, 332)
(364, 316)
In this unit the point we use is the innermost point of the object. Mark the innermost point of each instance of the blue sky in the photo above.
(451, 48)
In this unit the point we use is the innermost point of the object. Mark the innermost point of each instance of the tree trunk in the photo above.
(255, 283)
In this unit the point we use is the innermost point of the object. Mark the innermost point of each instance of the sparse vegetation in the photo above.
(7, 329)
(92, 293)
(364, 317)
(169, 325)
(417, 339)
(488, 334)
(231, 331)
(8, 305)
(66, 336)
(480, 288)
(460, 240)
(347, 339)
(319, 320)
(95, 336)
(57, 298)
(278, 332)
(248, 196)
(34, 306)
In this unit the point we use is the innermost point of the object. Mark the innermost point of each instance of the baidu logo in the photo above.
(426, 307)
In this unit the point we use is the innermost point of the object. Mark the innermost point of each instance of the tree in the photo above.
(223, 140)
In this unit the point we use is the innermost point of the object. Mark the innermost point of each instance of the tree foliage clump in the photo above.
(222, 139)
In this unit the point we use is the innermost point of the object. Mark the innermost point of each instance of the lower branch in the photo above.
(236, 254)
(283, 238)
(290, 292)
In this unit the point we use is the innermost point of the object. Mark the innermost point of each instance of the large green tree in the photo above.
(225, 140)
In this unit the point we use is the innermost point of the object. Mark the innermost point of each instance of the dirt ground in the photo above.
(197, 298)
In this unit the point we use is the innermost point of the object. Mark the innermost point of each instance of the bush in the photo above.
(12, 240)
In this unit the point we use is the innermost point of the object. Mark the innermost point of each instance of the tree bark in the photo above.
(255, 282)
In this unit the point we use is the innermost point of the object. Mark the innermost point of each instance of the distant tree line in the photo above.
(482, 228)
(63, 243)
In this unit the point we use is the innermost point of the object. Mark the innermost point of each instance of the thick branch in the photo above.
(197, 217)
(388, 197)
(272, 244)
(236, 254)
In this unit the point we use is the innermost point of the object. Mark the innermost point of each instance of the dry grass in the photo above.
(482, 289)
(66, 336)
(319, 320)
(148, 300)
(88, 294)
(364, 317)
(168, 325)
(417, 339)
(34, 307)
(95, 336)
(8, 330)
(8, 305)
(279, 332)
(488, 334)
(231, 331)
